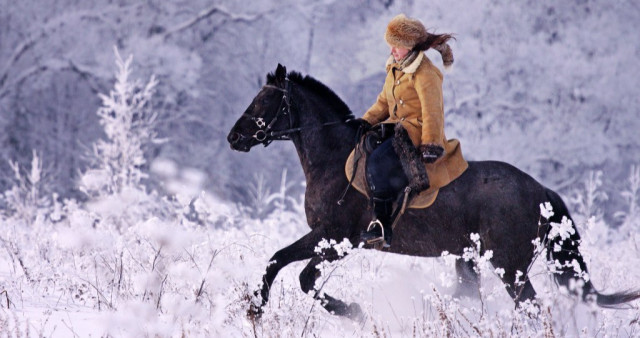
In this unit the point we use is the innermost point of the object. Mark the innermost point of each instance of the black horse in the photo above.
(493, 199)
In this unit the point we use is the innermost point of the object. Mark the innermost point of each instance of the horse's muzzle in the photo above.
(234, 139)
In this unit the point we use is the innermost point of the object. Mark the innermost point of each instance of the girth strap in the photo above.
(356, 158)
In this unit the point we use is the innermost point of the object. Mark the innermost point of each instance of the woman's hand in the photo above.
(361, 123)
(430, 152)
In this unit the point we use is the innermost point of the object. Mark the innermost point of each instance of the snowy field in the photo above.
(112, 267)
(131, 263)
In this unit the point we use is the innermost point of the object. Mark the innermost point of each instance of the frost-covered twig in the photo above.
(201, 289)
(26, 198)
(101, 296)
(120, 274)
(260, 197)
(587, 202)
(69, 326)
(17, 255)
(6, 294)
(155, 257)
(164, 280)
(631, 217)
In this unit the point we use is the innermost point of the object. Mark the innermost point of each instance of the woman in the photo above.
(411, 96)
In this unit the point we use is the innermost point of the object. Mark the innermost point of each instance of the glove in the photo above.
(430, 152)
(360, 123)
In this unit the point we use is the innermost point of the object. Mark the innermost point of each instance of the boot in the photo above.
(379, 230)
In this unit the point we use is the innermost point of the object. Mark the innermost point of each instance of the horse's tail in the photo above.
(566, 253)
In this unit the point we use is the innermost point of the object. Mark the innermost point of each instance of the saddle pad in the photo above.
(424, 199)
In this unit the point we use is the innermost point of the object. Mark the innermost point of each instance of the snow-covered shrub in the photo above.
(260, 201)
(114, 184)
(27, 197)
(588, 211)
(631, 217)
(128, 121)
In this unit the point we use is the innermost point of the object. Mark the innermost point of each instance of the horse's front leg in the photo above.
(308, 278)
(299, 250)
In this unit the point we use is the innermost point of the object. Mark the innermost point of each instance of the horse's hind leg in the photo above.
(467, 283)
(308, 278)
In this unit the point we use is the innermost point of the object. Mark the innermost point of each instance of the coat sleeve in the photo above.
(428, 86)
(379, 111)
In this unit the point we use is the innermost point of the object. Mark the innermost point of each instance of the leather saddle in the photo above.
(420, 195)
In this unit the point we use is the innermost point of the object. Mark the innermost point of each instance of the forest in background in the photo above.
(548, 87)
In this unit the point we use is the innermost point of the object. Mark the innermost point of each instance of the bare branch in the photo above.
(164, 280)
(42, 31)
(153, 265)
(22, 77)
(98, 292)
(199, 293)
(206, 13)
(6, 294)
(22, 48)
(85, 75)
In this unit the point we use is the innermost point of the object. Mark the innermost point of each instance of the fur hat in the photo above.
(411, 34)
(405, 32)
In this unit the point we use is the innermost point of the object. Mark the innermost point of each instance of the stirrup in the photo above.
(378, 240)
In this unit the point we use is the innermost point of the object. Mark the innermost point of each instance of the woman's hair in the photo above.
(439, 43)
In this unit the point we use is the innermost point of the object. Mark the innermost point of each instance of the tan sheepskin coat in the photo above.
(413, 97)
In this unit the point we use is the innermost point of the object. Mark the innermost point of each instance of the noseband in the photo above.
(266, 135)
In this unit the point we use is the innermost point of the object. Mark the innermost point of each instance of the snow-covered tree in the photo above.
(128, 121)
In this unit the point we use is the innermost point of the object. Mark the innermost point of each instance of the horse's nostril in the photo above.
(233, 137)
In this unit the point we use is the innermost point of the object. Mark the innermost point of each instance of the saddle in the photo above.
(419, 194)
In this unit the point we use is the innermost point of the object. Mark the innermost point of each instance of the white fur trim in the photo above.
(390, 60)
(414, 65)
(410, 68)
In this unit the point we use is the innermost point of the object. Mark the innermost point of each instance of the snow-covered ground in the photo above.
(175, 277)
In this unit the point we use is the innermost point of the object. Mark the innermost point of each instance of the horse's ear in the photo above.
(281, 74)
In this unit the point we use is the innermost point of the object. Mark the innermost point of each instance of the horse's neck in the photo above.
(322, 150)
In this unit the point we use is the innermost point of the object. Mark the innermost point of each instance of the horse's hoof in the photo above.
(379, 245)
(354, 312)
(254, 313)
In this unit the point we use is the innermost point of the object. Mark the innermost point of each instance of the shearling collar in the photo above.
(410, 68)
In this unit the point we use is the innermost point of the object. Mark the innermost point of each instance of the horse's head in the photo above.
(268, 113)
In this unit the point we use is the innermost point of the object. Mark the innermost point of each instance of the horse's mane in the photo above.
(308, 82)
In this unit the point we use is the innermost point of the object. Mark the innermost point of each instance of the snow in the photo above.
(397, 293)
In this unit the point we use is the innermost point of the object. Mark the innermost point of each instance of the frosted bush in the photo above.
(564, 229)
(128, 121)
(26, 199)
(630, 218)
(546, 210)
(587, 199)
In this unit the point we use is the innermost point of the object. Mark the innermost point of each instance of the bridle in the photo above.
(265, 133)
